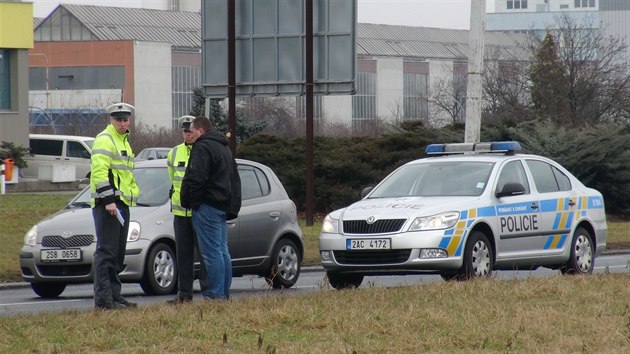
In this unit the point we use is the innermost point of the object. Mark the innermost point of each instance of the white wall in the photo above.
(73, 99)
(389, 78)
(337, 109)
(153, 83)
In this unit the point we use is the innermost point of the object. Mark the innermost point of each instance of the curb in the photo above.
(306, 269)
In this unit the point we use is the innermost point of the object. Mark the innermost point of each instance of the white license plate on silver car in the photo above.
(71, 254)
(368, 244)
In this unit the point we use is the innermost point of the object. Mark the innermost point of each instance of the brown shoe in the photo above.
(179, 300)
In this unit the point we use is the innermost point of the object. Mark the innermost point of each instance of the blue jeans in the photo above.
(211, 228)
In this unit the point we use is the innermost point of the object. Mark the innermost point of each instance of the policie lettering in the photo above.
(519, 223)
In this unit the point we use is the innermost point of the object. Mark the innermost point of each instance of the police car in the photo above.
(464, 211)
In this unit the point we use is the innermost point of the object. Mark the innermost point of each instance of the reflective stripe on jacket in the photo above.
(111, 177)
(177, 161)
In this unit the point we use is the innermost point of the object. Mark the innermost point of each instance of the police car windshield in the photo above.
(436, 179)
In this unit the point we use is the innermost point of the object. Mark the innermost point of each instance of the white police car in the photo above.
(465, 211)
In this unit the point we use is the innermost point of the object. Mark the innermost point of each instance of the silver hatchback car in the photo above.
(264, 240)
(465, 211)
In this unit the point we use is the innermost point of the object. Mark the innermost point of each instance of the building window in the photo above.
(584, 3)
(364, 101)
(185, 79)
(5, 79)
(516, 4)
(415, 92)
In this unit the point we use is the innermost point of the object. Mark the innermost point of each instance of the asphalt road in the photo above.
(19, 299)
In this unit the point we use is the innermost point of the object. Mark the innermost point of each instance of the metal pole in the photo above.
(309, 112)
(475, 71)
(232, 75)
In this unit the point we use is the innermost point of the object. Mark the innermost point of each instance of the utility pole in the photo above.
(475, 70)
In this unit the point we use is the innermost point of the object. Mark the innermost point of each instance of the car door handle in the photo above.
(274, 214)
(534, 206)
(571, 203)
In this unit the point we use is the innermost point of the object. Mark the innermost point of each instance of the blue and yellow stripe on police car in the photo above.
(452, 240)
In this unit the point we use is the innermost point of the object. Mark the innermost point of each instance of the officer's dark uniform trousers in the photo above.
(111, 241)
(187, 250)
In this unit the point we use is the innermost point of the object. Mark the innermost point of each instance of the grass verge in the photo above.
(539, 315)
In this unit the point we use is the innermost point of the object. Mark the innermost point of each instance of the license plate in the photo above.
(369, 244)
(72, 254)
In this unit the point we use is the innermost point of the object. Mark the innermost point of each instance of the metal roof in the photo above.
(183, 30)
(180, 28)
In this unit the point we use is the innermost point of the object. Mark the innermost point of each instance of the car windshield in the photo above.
(436, 179)
(154, 185)
(89, 143)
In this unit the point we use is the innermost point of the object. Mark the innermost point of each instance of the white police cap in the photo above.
(184, 122)
(121, 110)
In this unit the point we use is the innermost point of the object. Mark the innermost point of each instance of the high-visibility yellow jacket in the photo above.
(177, 161)
(111, 177)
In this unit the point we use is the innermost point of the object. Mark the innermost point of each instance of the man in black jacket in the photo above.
(212, 189)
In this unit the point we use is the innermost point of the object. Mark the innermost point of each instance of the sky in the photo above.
(422, 13)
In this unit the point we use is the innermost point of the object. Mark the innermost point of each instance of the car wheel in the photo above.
(285, 265)
(160, 272)
(48, 290)
(478, 257)
(344, 281)
(581, 260)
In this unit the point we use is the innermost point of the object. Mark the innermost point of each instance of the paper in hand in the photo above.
(120, 217)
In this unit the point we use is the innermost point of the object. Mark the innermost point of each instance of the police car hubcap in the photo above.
(480, 259)
(583, 253)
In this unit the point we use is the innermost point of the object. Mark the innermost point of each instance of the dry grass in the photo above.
(554, 315)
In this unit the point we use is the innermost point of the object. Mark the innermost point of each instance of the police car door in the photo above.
(558, 206)
(518, 216)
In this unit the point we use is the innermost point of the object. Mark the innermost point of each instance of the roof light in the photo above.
(507, 147)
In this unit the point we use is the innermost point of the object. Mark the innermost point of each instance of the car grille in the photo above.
(372, 257)
(64, 270)
(378, 227)
(62, 242)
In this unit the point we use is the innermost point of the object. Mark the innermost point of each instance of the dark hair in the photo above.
(203, 123)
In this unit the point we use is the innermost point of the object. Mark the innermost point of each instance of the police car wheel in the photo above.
(478, 257)
(344, 281)
(581, 260)
(48, 290)
(160, 272)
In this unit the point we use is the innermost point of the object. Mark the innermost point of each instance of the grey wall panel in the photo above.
(270, 46)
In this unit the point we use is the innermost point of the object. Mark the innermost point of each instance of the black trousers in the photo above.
(187, 249)
(111, 241)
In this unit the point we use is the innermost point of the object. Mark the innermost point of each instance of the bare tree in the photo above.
(579, 75)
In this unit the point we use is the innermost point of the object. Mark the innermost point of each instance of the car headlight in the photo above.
(30, 238)
(134, 231)
(435, 222)
(330, 225)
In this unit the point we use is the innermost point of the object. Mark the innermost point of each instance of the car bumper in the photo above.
(405, 255)
(75, 272)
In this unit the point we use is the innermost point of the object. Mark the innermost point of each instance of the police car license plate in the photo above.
(71, 254)
(369, 244)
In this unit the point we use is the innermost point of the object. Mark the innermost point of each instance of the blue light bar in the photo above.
(507, 147)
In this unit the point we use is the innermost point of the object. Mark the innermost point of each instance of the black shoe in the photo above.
(179, 300)
(107, 307)
(125, 303)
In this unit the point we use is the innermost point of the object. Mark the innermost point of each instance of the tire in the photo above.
(344, 281)
(160, 272)
(478, 257)
(285, 265)
(48, 290)
(581, 260)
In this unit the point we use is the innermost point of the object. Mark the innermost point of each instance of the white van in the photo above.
(47, 151)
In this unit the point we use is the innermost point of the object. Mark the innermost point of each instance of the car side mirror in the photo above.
(510, 189)
(366, 191)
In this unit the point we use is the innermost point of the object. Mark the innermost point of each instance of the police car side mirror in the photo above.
(511, 189)
(366, 191)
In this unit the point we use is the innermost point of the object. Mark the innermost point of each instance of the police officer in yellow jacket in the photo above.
(185, 239)
(114, 190)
